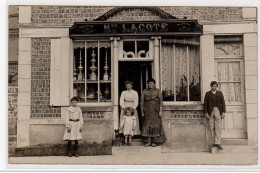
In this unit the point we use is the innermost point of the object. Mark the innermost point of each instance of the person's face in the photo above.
(214, 87)
(150, 85)
(128, 112)
(129, 86)
(74, 103)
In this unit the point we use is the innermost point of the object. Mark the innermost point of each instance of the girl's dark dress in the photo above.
(151, 100)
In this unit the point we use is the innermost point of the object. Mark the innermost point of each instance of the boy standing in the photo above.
(215, 109)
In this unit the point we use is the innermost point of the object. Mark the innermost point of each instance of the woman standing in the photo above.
(151, 107)
(129, 98)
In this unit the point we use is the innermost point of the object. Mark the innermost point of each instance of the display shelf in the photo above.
(101, 81)
(79, 81)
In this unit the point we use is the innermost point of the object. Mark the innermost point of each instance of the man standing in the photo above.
(215, 109)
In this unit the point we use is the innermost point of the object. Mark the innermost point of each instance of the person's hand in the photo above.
(207, 116)
(68, 129)
(223, 115)
(160, 112)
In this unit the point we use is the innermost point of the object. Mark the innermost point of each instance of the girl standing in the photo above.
(129, 98)
(74, 125)
(128, 124)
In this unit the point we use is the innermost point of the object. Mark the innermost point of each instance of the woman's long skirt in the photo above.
(152, 123)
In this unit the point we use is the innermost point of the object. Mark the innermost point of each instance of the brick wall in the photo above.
(13, 74)
(134, 14)
(67, 15)
(12, 106)
(12, 118)
(40, 80)
(206, 13)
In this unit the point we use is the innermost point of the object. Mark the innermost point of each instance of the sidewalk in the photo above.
(202, 158)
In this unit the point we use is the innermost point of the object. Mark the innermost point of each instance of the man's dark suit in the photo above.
(209, 104)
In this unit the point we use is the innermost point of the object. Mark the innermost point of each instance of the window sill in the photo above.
(100, 104)
(195, 105)
(96, 107)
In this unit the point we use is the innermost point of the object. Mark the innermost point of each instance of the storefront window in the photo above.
(180, 69)
(92, 71)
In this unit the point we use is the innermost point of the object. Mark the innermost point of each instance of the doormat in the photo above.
(61, 150)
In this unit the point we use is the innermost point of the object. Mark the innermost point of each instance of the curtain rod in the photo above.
(183, 41)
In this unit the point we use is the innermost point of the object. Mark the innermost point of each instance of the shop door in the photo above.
(138, 73)
(229, 73)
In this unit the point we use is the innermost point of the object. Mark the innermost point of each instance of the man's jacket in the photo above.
(209, 105)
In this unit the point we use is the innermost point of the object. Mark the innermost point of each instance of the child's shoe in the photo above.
(148, 144)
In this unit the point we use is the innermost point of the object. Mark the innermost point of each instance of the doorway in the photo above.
(138, 72)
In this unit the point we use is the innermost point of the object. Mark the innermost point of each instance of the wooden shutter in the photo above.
(60, 73)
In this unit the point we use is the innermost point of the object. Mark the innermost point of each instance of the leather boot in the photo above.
(69, 149)
(76, 149)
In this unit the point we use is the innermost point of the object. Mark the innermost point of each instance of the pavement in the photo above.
(201, 158)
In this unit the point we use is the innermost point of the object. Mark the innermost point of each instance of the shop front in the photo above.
(91, 60)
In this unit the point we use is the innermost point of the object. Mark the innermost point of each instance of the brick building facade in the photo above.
(46, 82)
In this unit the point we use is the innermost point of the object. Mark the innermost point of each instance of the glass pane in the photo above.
(195, 92)
(224, 87)
(234, 72)
(222, 71)
(167, 64)
(79, 92)
(129, 49)
(235, 92)
(181, 73)
(79, 74)
(92, 64)
(105, 64)
(142, 49)
(92, 92)
(79, 64)
(228, 48)
(105, 95)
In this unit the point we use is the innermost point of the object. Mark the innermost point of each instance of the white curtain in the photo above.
(174, 60)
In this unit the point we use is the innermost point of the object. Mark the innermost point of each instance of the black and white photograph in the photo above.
(132, 85)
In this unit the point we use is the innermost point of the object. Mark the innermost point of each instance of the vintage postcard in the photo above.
(132, 85)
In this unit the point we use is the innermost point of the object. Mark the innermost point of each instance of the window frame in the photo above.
(175, 102)
(120, 58)
(92, 104)
(232, 58)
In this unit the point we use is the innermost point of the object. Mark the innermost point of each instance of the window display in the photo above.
(92, 71)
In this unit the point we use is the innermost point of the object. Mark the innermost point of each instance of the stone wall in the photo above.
(40, 83)
(67, 15)
(185, 130)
